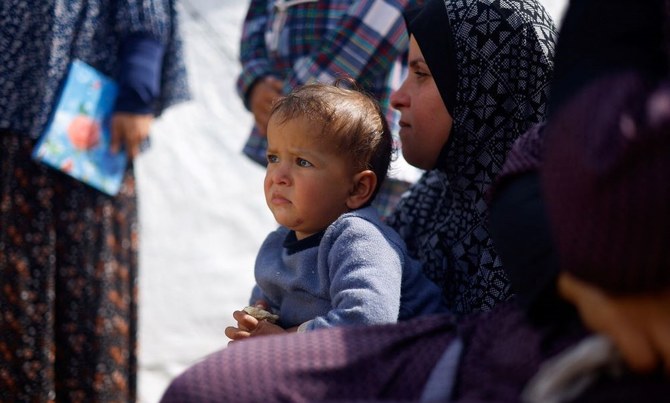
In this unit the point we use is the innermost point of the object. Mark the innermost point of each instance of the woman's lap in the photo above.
(361, 363)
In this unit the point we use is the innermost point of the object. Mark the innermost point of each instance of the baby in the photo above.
(332, 262)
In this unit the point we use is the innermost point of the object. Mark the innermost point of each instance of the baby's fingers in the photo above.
(245, 321)
(234, 333)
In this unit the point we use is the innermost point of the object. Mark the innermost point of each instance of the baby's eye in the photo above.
(303, 163)
(272, 158)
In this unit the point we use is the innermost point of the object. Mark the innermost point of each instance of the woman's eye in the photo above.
(272, 158)
(303, 163)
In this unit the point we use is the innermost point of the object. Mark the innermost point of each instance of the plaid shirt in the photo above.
(321, 40)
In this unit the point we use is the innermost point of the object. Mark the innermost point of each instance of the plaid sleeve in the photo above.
(253, 52)
(370, 37)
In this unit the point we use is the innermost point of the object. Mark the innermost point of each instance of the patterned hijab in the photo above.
(492, 62)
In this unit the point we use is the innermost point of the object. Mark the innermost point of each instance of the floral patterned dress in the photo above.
(68, 253)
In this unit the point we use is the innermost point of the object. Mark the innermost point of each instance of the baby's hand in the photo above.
(253, 321)
(261, 314)
(245, 325)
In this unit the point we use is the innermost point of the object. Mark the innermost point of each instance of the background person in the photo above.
(68, 253)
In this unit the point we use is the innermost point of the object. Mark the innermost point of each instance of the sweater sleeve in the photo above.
(140, 63)
(152, 72)
(257, 295)
(365, 276)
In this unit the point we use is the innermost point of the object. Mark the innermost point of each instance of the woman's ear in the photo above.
(364, 186)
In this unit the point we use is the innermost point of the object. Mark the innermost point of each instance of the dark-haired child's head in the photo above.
(329, 147)
(350, 120)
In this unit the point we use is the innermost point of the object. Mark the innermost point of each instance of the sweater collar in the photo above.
(294, 245)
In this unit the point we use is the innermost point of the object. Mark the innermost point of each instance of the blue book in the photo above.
(77, 138)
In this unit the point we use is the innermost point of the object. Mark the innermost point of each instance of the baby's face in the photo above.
(306, 184)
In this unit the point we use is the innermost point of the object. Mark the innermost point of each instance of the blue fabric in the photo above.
(139, 73)
(41, 38)
(360, 273)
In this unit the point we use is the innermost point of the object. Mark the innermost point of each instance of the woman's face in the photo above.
(425, 123)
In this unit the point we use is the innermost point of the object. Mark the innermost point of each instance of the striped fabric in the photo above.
(322, 40)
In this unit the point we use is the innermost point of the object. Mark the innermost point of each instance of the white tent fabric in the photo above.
(202, 211)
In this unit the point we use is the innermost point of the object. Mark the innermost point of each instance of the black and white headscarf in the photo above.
(492, 62)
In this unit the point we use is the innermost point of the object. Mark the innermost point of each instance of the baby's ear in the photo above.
(364, 186)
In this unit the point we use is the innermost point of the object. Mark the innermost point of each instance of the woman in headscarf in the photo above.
(395, 362)
(491, 62)
(68, 252)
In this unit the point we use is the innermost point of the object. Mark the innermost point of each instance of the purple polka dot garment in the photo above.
(389, 362)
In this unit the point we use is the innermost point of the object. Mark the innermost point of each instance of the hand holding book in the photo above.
(77, 139)
(130, 132)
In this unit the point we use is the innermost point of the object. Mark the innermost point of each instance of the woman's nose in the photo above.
(399, 98)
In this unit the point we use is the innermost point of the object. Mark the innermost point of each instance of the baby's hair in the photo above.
(345, 116)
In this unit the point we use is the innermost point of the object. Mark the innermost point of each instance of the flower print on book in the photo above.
(83, 130)
(77, 138)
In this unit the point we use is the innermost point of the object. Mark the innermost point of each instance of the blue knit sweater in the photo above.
(355, 272)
